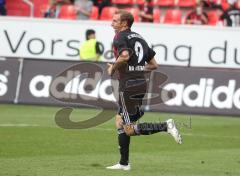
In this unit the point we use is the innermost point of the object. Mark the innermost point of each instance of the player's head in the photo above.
(122, 20)
(90, 34)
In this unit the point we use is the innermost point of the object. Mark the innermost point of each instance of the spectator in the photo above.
(91, 50)
(95, 2)
(2, 8)
(146, 12)
(55, 7)
(219, 12)
(197, 16)
(84, 9)
(102, 4)
(210, 3)
(231, 17)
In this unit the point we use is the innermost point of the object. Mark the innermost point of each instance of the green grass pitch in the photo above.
(31, 144)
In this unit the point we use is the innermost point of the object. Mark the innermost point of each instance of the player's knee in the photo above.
(119, 122)
(129, 130)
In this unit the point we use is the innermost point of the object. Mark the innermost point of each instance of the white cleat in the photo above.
(119, 167)
(172, 129)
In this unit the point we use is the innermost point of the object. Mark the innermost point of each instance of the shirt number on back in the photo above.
(138, 51)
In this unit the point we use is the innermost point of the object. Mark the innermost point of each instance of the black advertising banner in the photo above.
(9, 71)
(40, 75)
(204, 91)
(37, 77)
(72, 83)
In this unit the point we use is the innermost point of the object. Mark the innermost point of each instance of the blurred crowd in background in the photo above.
(194, 12)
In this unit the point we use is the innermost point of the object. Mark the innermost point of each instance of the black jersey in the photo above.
(232, 17)
(140, 54)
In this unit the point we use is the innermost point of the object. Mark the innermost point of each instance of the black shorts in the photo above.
(130, 106)
(130, 102)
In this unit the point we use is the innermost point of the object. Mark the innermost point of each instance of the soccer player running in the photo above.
(133, 59)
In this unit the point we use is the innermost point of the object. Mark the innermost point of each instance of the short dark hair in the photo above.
(89, 32)
(126, 16)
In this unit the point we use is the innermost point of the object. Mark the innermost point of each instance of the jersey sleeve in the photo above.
(121, 44)
(151, 54)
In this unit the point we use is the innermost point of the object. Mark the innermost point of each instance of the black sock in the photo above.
(123, 141)
(150, 128)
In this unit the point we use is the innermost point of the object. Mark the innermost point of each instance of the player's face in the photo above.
(116, 23)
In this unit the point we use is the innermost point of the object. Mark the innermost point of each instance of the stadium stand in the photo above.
(94, 13)
(135, 12)
(40, 6)
(123, 2)
(172, 11)
(17, 8)
(138, 2)
(173, 16)
(164, 3)
(156, 15)
(225, 5)
(187, 3)
(39, 12)
(212, 17)
(107, 13)
(68, 12)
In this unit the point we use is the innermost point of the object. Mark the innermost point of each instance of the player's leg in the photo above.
(132, 112)
(131, 107)
(152, 128)
(123, 142)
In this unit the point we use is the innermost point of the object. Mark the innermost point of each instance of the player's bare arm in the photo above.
(122, 59)
(151, 65)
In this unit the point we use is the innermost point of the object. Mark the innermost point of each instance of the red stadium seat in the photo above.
(14, 12)
(40, 2)
(212, 17)
(41, 10)
(68, 12)
(94, 13)
(156, 15)
(40, 7)
(134, 12)
(123, 2)
(166, 3)
(107, 13)
(187, 3)
(17, 8)
(173, 16)
(138, 2)
(225, 5)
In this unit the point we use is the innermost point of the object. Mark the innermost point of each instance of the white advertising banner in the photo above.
(195, 46)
